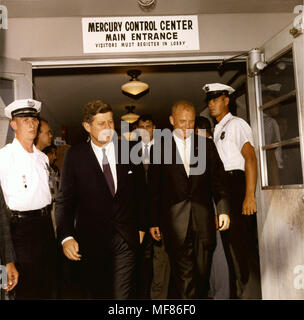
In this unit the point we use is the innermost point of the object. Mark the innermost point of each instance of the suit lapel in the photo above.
(93, 161)
(194, 160)
(119, 165)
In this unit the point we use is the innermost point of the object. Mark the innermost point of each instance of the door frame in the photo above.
(280, 210)
(21, 74)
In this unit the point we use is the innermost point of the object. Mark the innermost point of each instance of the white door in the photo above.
(15, 83)
(277, 119)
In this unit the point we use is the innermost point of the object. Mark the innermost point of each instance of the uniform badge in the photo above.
(222, 135)
(24, 181)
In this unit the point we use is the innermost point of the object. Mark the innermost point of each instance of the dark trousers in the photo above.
(191, 265)
(240, 244)
(161, 271)
(35, 247)
(107, 271)
(144, 271)
(219, 277)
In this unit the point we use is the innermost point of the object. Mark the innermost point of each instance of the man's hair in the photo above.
(184, 104)
(146, 117)
(92, 108)
(48, 149)
(202, 123)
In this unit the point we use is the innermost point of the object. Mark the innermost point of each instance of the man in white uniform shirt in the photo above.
(234, 142)
(24, 177)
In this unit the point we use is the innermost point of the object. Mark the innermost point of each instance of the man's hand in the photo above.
(155, 233)
(224, 222)
(249, 206)
(12, 276)
(71, 249)
(141, 236)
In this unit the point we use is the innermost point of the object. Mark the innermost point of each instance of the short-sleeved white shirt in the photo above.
(230, 135)
(24, 177)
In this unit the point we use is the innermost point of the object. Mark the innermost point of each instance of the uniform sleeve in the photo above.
(4, 160)
(242, 132)
(7, 253)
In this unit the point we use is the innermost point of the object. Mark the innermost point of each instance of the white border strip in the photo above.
(66, 63)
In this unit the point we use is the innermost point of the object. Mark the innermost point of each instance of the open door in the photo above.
(15, 83)
(276, 103)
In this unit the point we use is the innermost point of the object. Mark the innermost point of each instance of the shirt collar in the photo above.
(227, 117)
(181, 141)
(149, 144)
(108, 147)
(17, 144)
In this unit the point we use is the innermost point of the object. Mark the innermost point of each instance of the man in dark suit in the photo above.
(7, 252)
(96, 208)
(154, 266)
(181, 207)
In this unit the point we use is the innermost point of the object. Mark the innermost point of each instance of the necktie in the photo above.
(186, 162)
(107, 172)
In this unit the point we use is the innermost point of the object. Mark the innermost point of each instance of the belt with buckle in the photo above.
(235, 172)
(30, 213)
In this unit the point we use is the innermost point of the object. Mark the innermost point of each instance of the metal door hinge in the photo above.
(298, 22)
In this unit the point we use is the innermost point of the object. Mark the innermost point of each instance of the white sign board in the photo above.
(134, 34)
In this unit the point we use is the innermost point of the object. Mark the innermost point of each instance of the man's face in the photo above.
(145, 129)
(45, 135)
(25, 127)
(183, 120)
(101, 129)
(218, 107)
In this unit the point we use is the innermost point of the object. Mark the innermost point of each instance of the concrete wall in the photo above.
(62, 37)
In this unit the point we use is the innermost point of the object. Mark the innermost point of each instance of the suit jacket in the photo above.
(147, 173)
(7, 252)
(85, 208)
(174, 195)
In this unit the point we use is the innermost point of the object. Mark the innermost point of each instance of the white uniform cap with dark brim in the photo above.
(214, 90)
(23, 108)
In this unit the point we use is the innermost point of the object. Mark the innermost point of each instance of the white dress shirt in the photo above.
(149, 145)
(230, 135)
(110, 152)
(184, 149)
(24, 177)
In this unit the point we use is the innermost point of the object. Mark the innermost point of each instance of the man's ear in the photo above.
(171, 119)
(13, 125)
(87, 127)
(226, 100)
